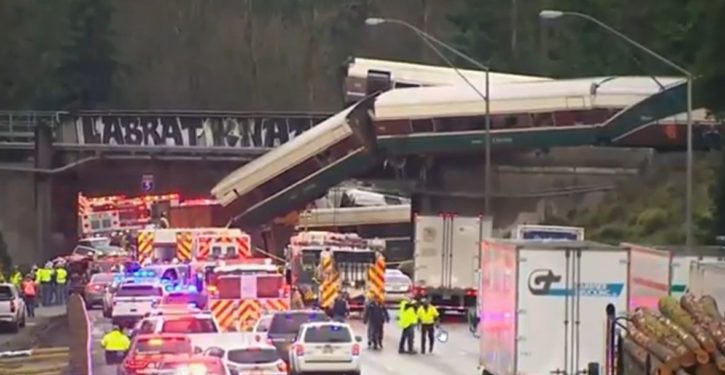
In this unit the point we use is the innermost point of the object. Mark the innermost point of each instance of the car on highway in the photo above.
(261, 327)
(12, 308)
(285, 325)
(250, 359)
(134, 300)
(95, 290)
(110, 292)
(148, 351)
(201, 327)
(186, 296)
(325, 347)
(191, 365)
(398, 286)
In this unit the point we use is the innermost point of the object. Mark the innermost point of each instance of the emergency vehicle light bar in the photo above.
(144, 274)
(181, 288)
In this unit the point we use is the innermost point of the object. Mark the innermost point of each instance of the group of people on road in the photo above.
(412, 315)
(46, 286)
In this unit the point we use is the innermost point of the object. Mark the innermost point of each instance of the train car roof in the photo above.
(431, 75)
(462, 100)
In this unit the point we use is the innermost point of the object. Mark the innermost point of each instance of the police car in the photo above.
(174, 274)
(147, 352)
(250, 359)
(134, 299)
(185, 295)
(325, 347)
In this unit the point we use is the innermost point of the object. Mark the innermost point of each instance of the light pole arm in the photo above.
(439, 42)
(632, 42)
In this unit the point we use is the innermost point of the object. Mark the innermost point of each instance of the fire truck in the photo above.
(192, 244)
(243, 290)
(115, 214)
(325, 264)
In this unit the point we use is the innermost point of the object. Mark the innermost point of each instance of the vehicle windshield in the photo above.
(396, 279)
(6, 293)
(263, 325)
(289, 323)
(176, 345)
(549, 235)
(94, 242)
(102, 278)
(253, 356)
(189, 325)
(139, 291)
(327, 334)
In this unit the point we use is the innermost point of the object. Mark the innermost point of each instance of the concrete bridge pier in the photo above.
(43, 190)
(28, 200)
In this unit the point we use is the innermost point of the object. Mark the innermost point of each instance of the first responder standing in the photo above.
(164, 221)
(61, 279)
(428, 317)
(16, 277)
(408, 319)
(30, 291)
(115, 344)
(375, 316)
(296, 300)
(340, 309)
(43, 277)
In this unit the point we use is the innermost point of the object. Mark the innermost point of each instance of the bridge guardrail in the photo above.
(18, 127)
(159, 129)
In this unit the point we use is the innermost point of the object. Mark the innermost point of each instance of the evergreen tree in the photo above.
(87, 67)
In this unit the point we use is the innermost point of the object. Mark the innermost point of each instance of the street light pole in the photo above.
(429, 40)
(554, 14)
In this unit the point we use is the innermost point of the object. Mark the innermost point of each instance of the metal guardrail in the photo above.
(18, 127)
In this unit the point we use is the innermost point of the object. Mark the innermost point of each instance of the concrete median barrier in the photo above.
(79, 342)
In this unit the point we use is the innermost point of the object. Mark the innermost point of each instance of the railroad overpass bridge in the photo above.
(46, 158)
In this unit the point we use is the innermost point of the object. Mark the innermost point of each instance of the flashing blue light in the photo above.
(180, 288)
(143, 273)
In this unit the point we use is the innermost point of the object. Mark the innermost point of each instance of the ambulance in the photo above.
(241, 291)
(324, 264)
(192, 244)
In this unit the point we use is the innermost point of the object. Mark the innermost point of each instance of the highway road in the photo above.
(459, 356)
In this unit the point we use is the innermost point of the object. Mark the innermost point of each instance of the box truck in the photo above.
(446, 259)
(543, 303)
(683, 259)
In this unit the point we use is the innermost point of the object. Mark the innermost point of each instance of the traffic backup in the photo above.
(228, 315)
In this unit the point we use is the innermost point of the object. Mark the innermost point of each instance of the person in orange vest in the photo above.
(30, 291)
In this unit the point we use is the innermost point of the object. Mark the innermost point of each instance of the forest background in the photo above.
(287, 55)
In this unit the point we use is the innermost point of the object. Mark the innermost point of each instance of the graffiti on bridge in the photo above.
(241, 131)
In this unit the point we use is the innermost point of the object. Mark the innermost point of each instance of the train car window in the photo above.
(402, 85)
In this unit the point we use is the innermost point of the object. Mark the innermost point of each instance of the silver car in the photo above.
(12, 307)
(96, 288)
(398, 286)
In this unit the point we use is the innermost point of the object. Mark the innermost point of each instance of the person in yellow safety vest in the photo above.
(115, 344)
(61, 279)
(408, 319)
(428, 317)
(16, 277)
(43, 277)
